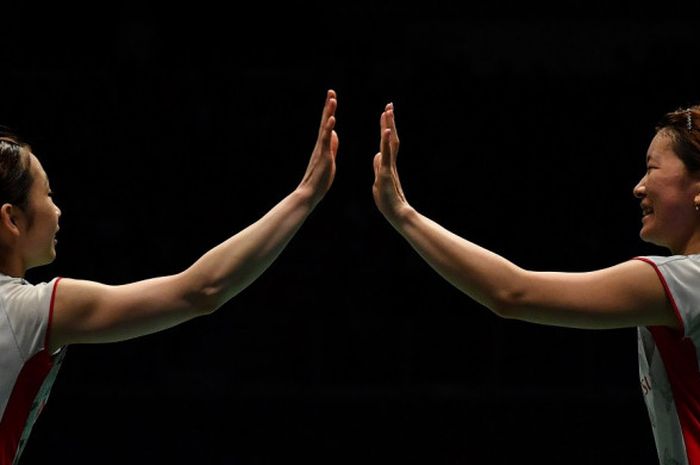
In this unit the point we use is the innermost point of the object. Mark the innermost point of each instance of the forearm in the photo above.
(483, 275)
(88, 311)
(230, 267)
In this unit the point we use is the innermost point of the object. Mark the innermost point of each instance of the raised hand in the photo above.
(320, 171)
(387, 191)
(89, 312)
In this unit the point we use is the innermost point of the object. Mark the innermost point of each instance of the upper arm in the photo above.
(87, 311)
(626, 295)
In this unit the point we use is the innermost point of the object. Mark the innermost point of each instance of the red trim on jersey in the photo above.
(48, 325)
(20, 402)
(667, 290)
(679, 355)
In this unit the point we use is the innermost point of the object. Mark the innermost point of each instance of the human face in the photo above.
(668, 194)
(39, 243)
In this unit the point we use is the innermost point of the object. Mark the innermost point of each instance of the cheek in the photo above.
(44, 220)
(676, 211)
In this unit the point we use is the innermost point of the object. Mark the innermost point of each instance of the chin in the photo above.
(48, 260)
(648, 236)
(651, 239)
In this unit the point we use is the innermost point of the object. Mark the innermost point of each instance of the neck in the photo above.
(690, 248)
(12, 266)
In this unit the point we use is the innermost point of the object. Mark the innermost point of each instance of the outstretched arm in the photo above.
(628, 294)
(86, 311)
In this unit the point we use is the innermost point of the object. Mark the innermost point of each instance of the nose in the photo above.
(640, 189)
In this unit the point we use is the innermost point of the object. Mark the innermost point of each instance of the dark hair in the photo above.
(683, 125)
(15, 177)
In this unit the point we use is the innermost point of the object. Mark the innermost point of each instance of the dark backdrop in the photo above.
(164, 130)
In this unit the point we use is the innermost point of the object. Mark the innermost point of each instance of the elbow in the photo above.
(201, 298)
(502, 306)
(205, 301)
(206, 309)
(508, 302)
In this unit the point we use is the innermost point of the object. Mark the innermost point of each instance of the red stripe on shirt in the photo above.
(48, 325)
(24, 394)
(667, 290)
(680, 360)
(19, 405)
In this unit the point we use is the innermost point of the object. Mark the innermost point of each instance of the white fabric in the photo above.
(680, 275)
(24, 319)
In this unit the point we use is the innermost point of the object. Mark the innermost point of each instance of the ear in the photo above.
(9, 218)
(695, 186)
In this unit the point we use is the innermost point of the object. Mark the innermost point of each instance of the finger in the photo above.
(382, 124)
(334, 144)
(327, 133)
(391, 120)
(329, 108)
(376, 163)
(386, 148)
(391, 124)
(327, 123)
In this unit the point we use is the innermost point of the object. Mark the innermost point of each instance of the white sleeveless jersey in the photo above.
(27, 370)
(668, 364)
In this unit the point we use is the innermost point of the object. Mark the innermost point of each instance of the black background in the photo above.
(164, 130)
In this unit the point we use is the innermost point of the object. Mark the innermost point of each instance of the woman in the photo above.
(658, 295)
(38, 321)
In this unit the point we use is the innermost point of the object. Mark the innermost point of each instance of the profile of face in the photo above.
(668, 194)
(41, 219)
